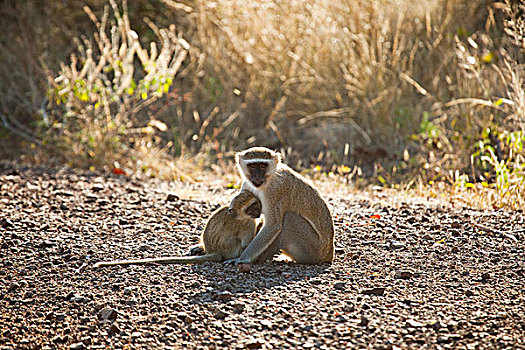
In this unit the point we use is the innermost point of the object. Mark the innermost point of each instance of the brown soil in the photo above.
(406, 274)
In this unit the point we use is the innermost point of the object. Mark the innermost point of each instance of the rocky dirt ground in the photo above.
(407, 274)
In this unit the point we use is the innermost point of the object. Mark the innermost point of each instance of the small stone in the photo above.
(13, 286)
(364, 321)
(65, 193)
(47, 244)
(455, 224)
(58, 339)
(238, 307)
(220, 315)
(77, 298)
(6, 223)
(485, 276)
(107, 313)
(127, 290)
(224, 296)
(455, 232)
(444, 339)
(339, 285)
(374, 291)
(91, 198)
(254, 343)
(403, 274)
(414, 323)
(113, 329)
(396, 245)
(245, 268)
(454, 249)
(172, 197)
(182, 315)
(267, 323)
(77, 346)
(97, 188)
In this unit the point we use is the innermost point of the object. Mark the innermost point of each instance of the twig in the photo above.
(508, 234)
(18, 132)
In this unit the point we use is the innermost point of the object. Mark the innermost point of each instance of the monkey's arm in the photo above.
(262, 241)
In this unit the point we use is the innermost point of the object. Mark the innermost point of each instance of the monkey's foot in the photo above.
(196, 250)
(234, 262)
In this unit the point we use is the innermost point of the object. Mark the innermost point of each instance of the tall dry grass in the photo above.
(357, 78)
(409, 91)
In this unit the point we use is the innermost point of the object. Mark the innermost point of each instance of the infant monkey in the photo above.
(229, 230)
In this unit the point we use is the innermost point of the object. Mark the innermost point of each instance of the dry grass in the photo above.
(393, 91)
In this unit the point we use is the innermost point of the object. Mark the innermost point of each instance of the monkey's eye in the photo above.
(263, 166)
(251, 166)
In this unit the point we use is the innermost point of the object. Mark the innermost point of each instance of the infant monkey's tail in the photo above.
(166, 260)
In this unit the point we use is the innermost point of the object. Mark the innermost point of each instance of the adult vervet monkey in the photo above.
(297, 220)
(227, 233)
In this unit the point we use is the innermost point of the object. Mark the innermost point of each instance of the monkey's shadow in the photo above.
(218, 278)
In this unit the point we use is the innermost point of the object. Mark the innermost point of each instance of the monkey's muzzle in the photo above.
(257, 183)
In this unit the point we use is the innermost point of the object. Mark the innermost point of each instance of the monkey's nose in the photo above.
(257, 183)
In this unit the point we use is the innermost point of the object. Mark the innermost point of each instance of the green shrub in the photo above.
(105, 94)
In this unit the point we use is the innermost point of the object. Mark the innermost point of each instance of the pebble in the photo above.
(113, 329)
(254, 343)
(403, 274)
(396, 245)
(374, 291)
(6, 223)
(238, 307)
(77, 346)
(107, 313)
(364, 321)
(224, 296)
(220, 315)
(245, 268)
(267, 323)
(339, 285)
(414, 323)
(172, 197)
(97, 188)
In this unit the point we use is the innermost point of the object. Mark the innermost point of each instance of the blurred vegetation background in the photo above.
(392, 92)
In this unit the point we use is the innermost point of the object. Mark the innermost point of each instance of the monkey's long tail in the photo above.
(164, 260)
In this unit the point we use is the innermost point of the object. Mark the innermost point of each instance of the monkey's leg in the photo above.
(300, 241)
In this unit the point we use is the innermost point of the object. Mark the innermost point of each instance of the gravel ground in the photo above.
(407, 274)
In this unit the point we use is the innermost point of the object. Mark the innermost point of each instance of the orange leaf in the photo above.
(118, 171)
(375, 216)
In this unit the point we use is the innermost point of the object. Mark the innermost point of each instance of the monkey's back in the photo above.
(227, 234)
(301, 197)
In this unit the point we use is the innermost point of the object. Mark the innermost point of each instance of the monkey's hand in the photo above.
(235, 262)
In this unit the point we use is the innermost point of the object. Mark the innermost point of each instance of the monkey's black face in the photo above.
(258, 173)
(254, 210)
